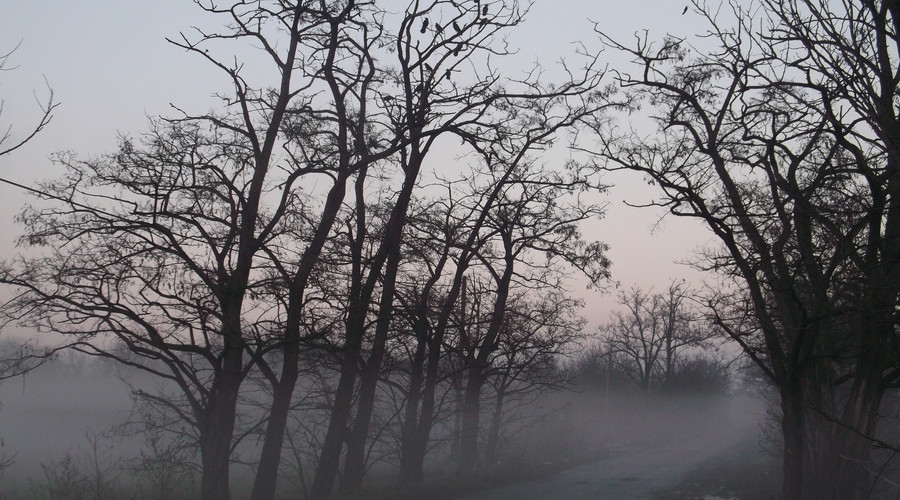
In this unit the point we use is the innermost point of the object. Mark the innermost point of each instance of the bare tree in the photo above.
(652, 332)
(509, 211)
(156, 245)
(781, 138)
(139, 251)
(531, 234)
(541, 328)
(14, 362)
(483, 114)
(199, 247)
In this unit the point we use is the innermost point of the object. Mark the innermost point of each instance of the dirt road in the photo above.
(630, 473)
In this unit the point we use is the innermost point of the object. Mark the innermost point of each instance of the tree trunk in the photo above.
(217, 431)
(492, 447)
(411, 460)
(416, 446)
(270, 458)
(336, 435)
(468, 450)
(456, 380)
(792, 428)
(355, 462)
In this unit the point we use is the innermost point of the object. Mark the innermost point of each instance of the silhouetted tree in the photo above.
(779, 132)
(142, 247)
(431, 104)
(156, 245)
(532, 234)
(510, 211)
(208, 246)
(540, 329)
(17, 360)
(652, 331)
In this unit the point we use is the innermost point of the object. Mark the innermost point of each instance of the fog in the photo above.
(64, 420)
(54, 410)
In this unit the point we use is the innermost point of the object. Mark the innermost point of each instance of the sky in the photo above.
(110, 67)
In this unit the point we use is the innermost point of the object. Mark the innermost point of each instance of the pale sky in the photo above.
(110, 67)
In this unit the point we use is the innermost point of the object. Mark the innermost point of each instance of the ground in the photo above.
(709, 466)
(744, 472)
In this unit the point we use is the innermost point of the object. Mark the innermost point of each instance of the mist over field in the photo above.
(63, 425)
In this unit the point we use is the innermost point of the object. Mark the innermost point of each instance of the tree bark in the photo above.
(469, 459)
(270, 457)
(411, 456)
(217, 429)
(336, 435)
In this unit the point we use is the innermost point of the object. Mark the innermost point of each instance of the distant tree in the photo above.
(649, 335)
(699, 374)
(597, 367)
(539, 331)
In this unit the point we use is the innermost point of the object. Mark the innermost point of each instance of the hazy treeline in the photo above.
(74, 430)
(362, 254)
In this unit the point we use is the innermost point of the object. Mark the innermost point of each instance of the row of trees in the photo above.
(313, 221)
(780, 132)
